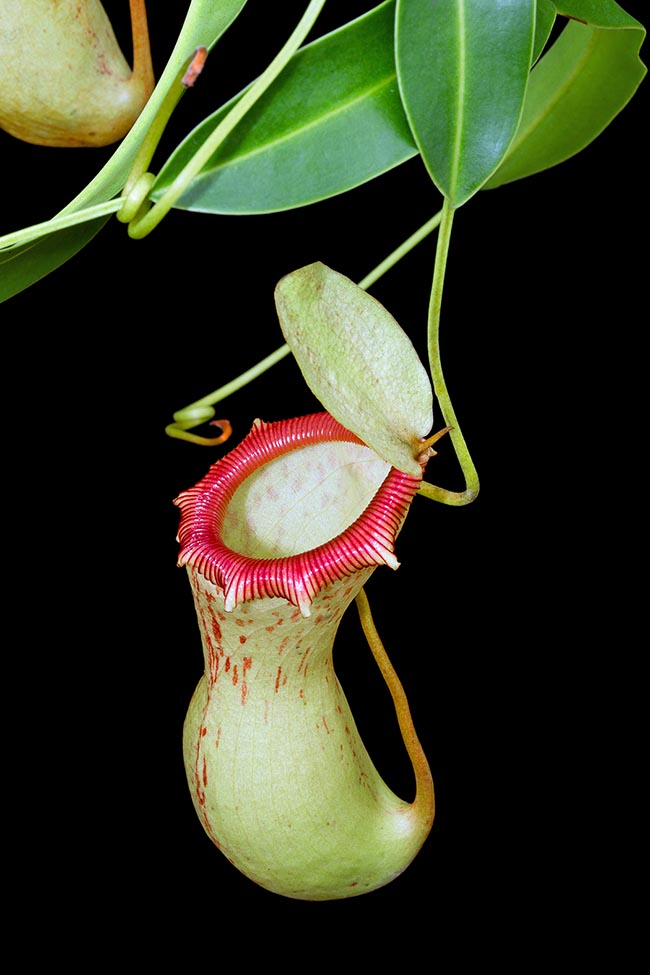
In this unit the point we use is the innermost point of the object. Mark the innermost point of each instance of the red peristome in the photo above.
(368, 541)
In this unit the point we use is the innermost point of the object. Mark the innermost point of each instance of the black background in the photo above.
(510, 621)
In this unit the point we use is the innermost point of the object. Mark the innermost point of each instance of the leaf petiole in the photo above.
(437, 377)
(144, 223)
(60, 222)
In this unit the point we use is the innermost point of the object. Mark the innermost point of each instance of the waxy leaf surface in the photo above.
(579, 85)
(544, 20)
(331, 121)
(463, 67)
(358, 361)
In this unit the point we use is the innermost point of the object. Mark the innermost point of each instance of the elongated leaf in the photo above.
(331, 121)
(463, 66)
(544, 20)
(576, 89)
(598, 13)
(22, 265)
(358, 362)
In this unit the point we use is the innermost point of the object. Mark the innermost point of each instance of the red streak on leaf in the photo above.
(227, 664)
(216, 630)
(235, 675)
(205, 772)
(325, 725)
(277, 680)
(218, 738)
(204, 731)
(247, 664)
(213, 660)
(242, 639)
(200, 794)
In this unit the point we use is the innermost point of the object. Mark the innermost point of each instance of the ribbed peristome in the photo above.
(367, 540)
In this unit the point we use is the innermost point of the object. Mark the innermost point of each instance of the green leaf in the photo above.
(463, 66)
(576, 89)
(22, 265)
(598, 13)
(544, 20)
(331, 121)
(358, 362)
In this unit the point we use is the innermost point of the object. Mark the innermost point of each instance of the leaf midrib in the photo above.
(538, 120)
(460, 99)
(237, 159)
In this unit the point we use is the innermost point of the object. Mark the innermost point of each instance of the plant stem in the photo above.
(424, 804)
(438, 379)
(143, 225)
(142, 63)
(200, 411)
(135, 186)
(27, 234)
(401, 251)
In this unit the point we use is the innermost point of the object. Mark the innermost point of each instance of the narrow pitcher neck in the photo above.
(267, 628)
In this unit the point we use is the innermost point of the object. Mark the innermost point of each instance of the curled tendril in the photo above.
(432, 491)
(135, 195)
(454, 498)
(137, 202)
(192, 417)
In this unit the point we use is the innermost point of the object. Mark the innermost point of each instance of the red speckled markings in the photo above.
(278, 774)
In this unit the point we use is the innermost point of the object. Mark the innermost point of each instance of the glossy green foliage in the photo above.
(331, 121)
(463, 67)
(334, 119)
(544, 20)
(583, 81)
(21, 266)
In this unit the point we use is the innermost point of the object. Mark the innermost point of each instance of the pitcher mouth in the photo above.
(368, 540)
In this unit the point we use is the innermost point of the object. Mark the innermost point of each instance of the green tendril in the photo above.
(439, 385)
(200, 412)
